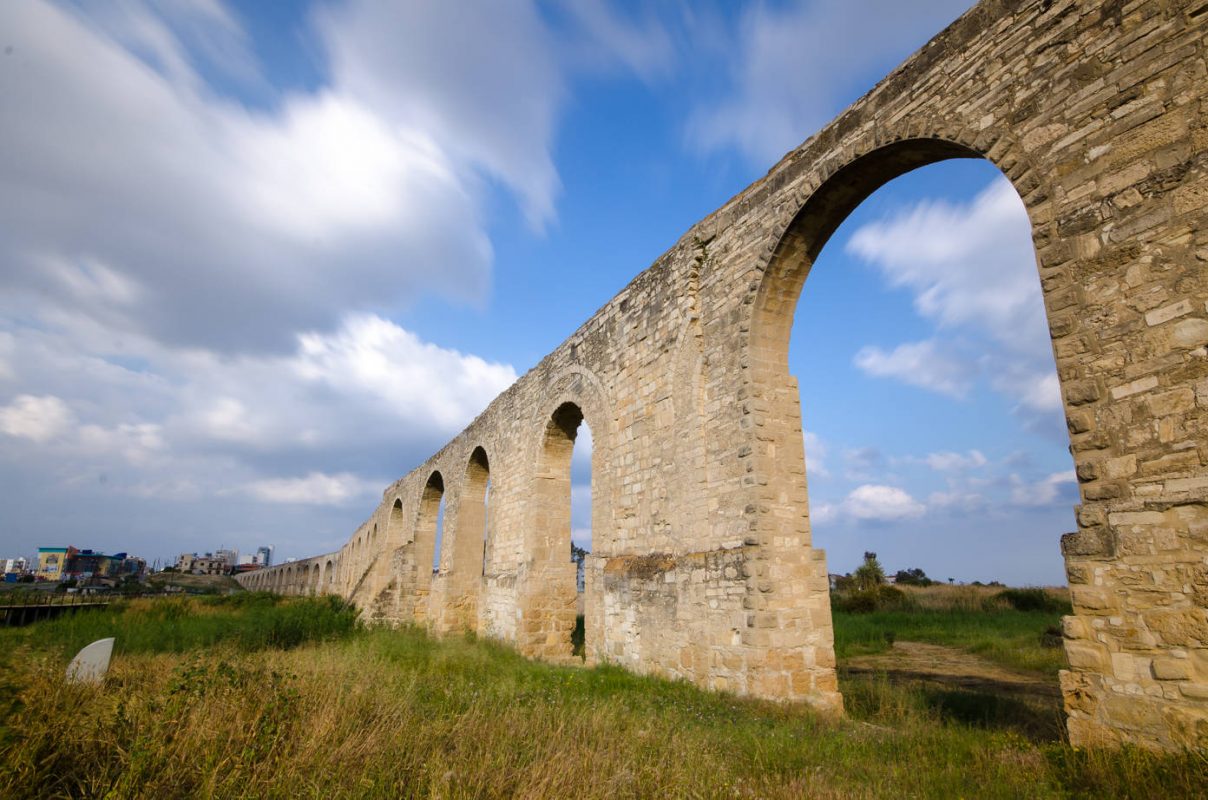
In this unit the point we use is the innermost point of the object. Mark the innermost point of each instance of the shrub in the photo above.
(912, 577)
(863, 601)
(1031, 599)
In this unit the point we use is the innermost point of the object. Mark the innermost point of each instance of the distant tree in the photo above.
(952, 580)
(26, 579)
(579, 556)
(912, 577)
(870, 574)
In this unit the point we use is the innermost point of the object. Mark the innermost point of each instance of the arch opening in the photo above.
(946, 413)
(553, 549)
(428, 532)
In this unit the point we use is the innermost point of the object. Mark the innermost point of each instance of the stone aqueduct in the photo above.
(703, 566)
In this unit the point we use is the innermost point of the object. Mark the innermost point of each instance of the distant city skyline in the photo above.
(262, 259)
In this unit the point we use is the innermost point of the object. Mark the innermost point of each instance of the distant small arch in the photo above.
(426, 523)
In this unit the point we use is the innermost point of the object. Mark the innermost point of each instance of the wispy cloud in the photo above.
(795, 65)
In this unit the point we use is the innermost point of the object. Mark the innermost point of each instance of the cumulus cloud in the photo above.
(1056, 488)
(315, 488)
(815, 455)
(967, 265)
(36, 418)
(955, 462)
(800, 63)
(957, 501)
(822, 513)
(197, 281)
(156, 207)
(972, 271)
(876, 503)
(480, 79)
(927, 364)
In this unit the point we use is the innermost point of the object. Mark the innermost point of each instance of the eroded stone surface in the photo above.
(703, 566)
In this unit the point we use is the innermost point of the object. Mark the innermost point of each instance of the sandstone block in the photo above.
(1133, 387)
(1167, 313)
(1171, 669)
(1190, 333)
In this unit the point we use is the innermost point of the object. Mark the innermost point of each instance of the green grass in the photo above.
(377, 713)
(247, 622)
(1005, 636)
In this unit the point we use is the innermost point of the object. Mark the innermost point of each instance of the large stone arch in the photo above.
(549, 598)
(1098, 114)
(787, 584)
(1124, 297)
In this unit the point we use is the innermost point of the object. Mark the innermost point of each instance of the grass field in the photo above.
(969, 617)
(251, 696)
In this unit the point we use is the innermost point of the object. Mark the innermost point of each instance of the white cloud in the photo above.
(315, 488)
(972, 270)
(370, 399)
(375, 359)
(798, 64)
(197, 281)
(955, 462)
(822, 513)
(961, 502)
(968, 265)
(136, 443)
(876, 503)
(1036, 391)
(609, 40)
(274, 221)
(927, 364)
(582, 538)
(815, 455)
(481, 79)
(6, 354)
(1056, 488)
(38, 419)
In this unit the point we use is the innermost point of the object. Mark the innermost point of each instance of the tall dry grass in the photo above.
(396, 714)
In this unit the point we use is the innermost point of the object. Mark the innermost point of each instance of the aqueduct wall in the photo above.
(703, 566)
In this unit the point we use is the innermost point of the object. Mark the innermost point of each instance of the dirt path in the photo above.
(949, 666)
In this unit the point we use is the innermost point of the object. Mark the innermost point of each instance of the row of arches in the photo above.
(436, 546)
(310, 577)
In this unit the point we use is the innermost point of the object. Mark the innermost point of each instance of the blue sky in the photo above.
(259, 259)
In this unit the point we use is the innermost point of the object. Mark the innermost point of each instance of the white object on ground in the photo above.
(91, 663)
